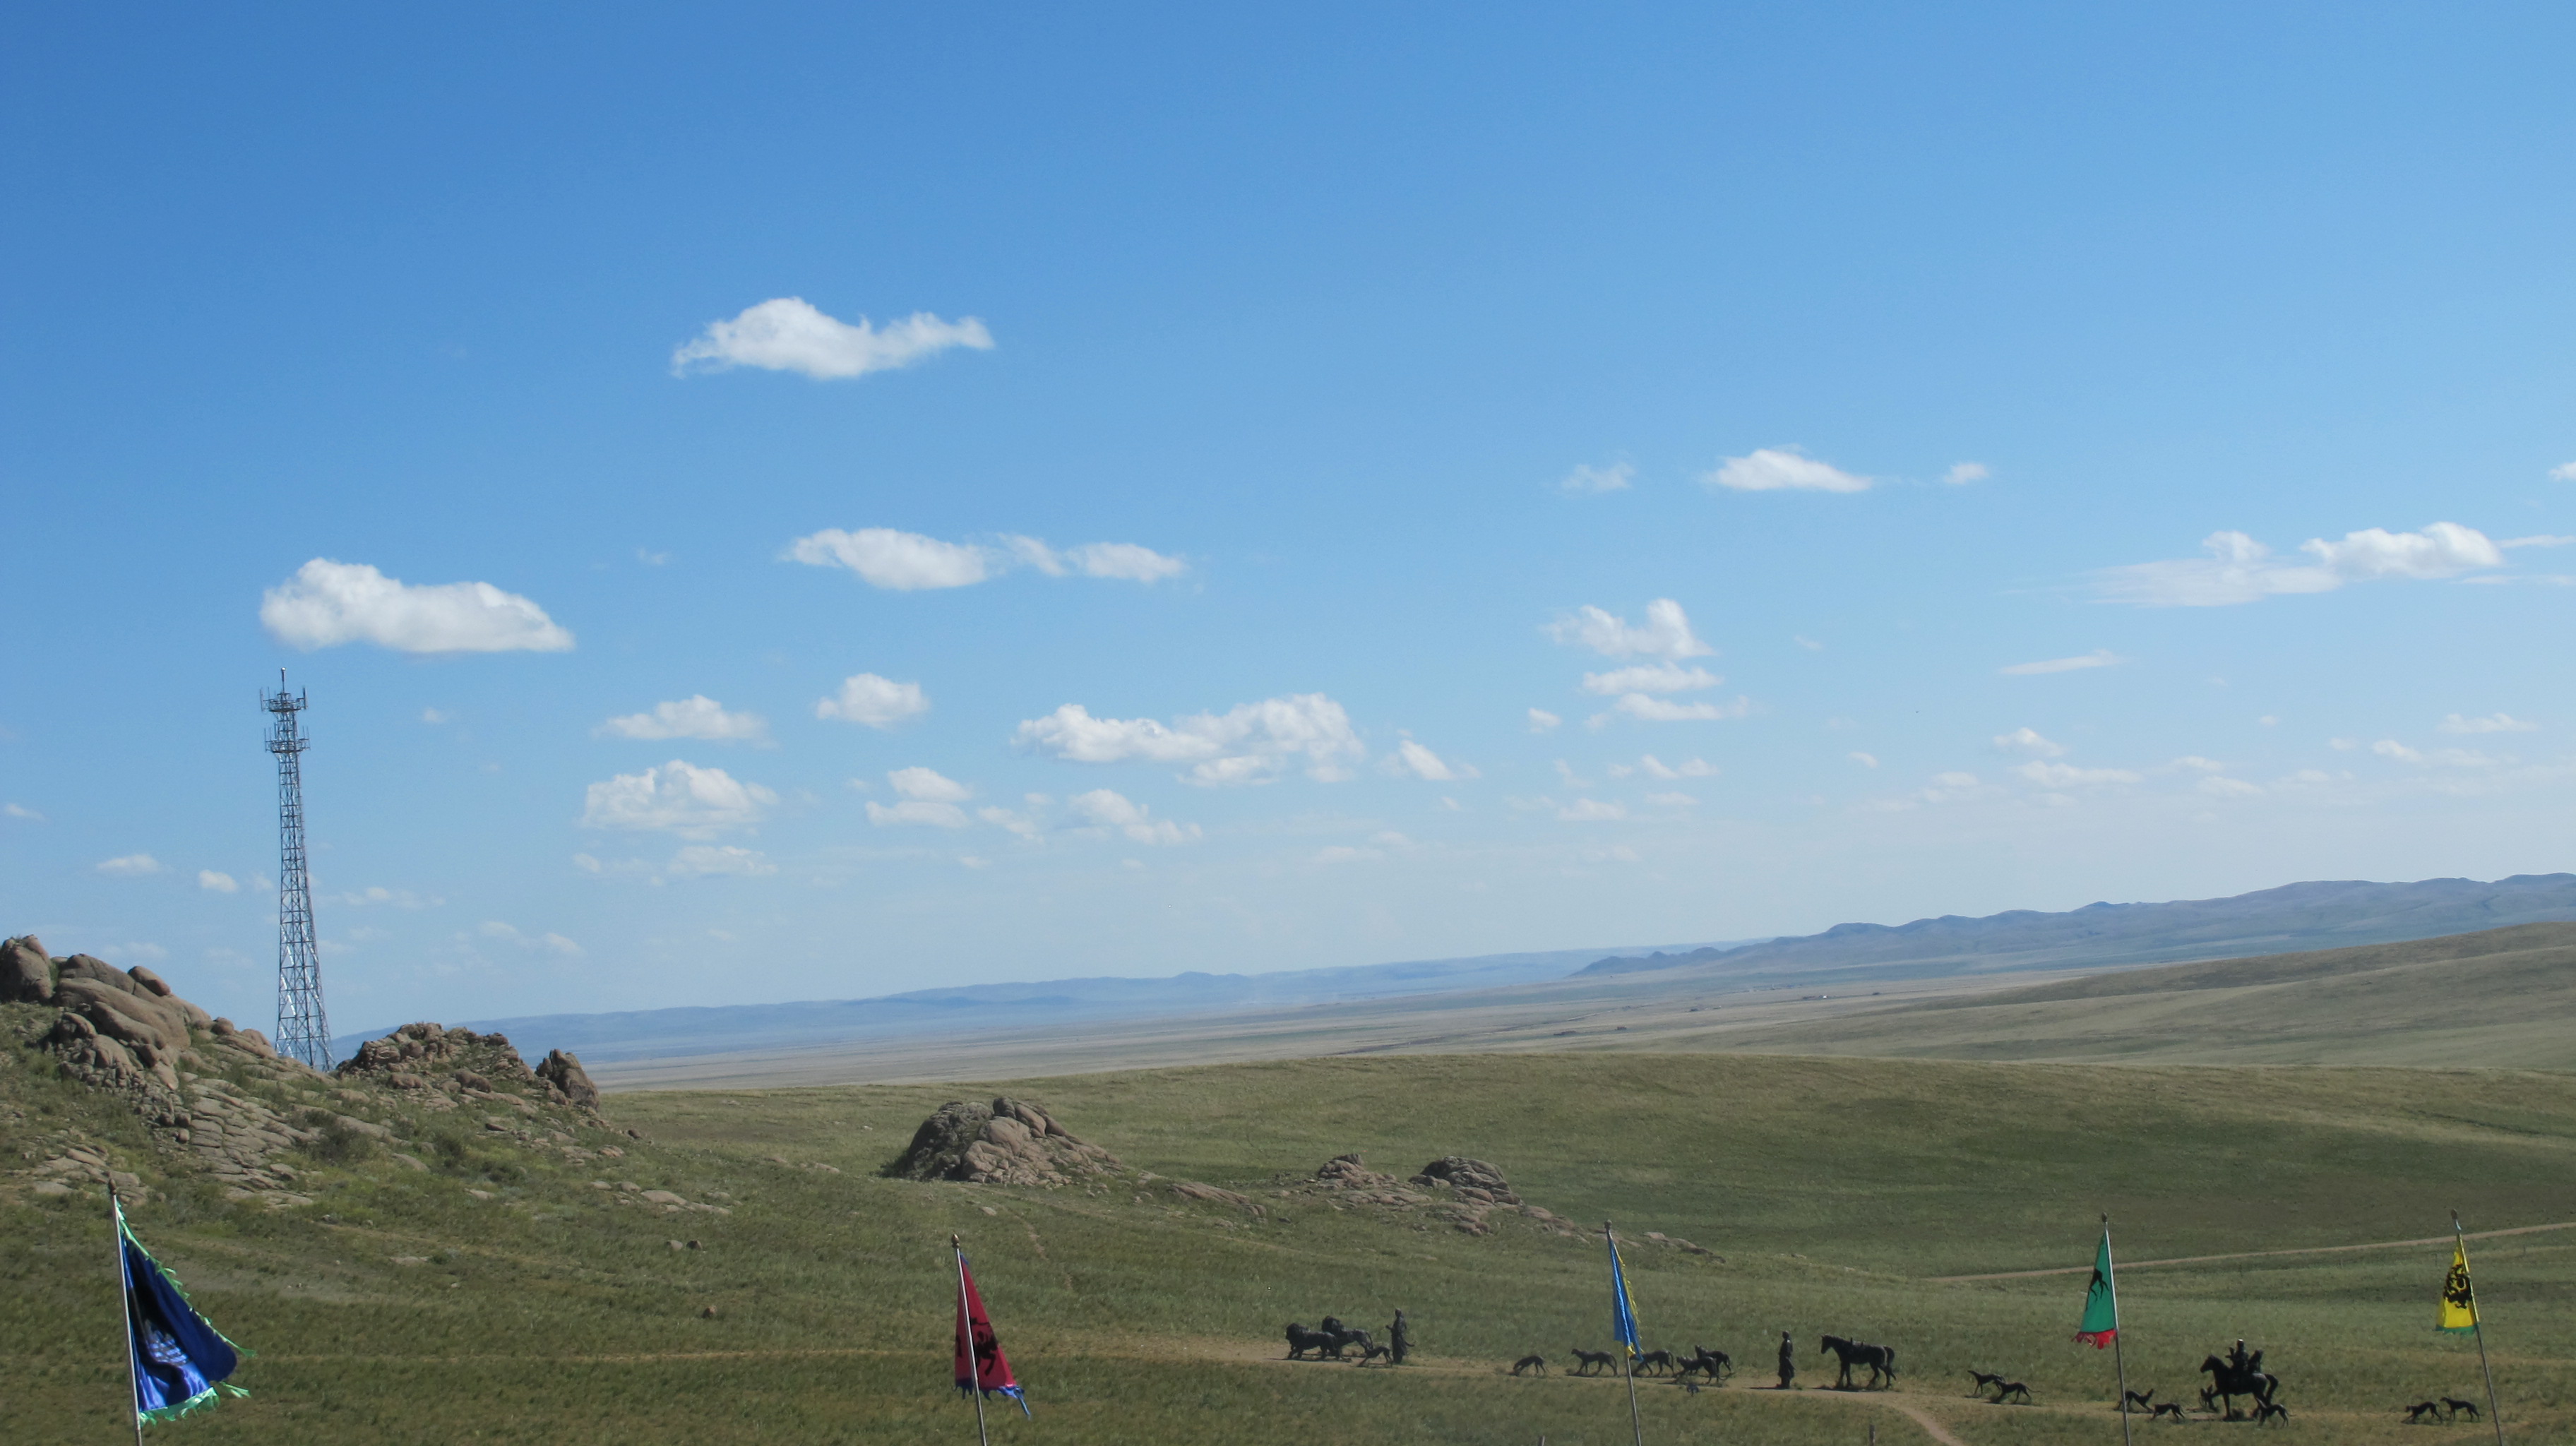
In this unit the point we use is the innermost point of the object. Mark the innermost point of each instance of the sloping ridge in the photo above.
(2302, 916)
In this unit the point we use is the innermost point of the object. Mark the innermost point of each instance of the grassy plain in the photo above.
(1836, 1191)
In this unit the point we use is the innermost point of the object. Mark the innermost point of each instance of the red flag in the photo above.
(975, 1341)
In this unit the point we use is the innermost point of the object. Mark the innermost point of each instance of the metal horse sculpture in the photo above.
(1881, 1361)
(2227, 1381)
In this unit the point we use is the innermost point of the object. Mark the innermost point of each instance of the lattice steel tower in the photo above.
(302, 1032)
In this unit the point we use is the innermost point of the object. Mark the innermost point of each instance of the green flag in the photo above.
(2101, 1300)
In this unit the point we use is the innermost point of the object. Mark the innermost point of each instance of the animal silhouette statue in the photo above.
(2271, 1411)
(1589, 1363)
(1532, 1362)
(1374, 1351)
(2006, 1390)
(1716, 1365)
(2455, 1406)
(2143, 1400)
(2171, 1410)
(2229, 1380)
(2423, 1413)
(1302, 1340)
(1985, 1381)
(1881, 1361)
(1653, 1363)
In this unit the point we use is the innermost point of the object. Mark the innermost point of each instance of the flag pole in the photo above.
(974, 1363)
(1627, 1353)
(2119, 1362)
(2478, 1328)
(125, 1303)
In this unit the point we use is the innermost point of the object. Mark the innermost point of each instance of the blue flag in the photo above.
(1623, 1311)
(178, 1358)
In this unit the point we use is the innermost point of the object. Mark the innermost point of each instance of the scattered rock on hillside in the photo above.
(571, 1082)
(1006, 1143)
(1453, 1189)
(1472, 1179)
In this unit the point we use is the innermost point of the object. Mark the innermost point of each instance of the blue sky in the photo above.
(780, 503)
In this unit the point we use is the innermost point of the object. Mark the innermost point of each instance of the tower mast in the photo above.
(302, 1032)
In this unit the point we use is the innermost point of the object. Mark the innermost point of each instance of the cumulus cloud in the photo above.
(1106, 809)
(706, 861)
(786, 334)
(677, 797)
(2067, 775)
(874, 701)
(917, 810)
(1540, 721)
(20, 810)
(1687, 768)
(329, 603)
(2098, 658)
(1960, 474)
(1647, 709)
(897, 561)
(2028, 741)
(2198, 764)
(1411, 757)
(1586, 480)
(2218, 787)
(2239, 569)
(1672, 800)
(2436, 758)
(392, 898)
(1865, 760)
(217, 883)
(928, 783)
(1122, 560)
(1666, 633)
(1592, 810)
(2499, 723)
(1023, 824)
(1250, 743)
(696, 716)
(1782, 469)
(1650, 678)
(2566, 473)
(548, 943)
(130, 866)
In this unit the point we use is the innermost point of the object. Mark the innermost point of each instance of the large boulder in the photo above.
(1008, 1142)
(132, 1018)
(1472, 1179)
(563, 1070)
(26, 975)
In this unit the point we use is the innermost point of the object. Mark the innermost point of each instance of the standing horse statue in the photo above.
(1881, 1361)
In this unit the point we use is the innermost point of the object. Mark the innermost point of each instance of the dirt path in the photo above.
(2258, 1254)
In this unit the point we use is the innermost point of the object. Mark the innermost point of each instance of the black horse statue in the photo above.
(1881, 1361)
(1713, 1364)
(2228, 1380)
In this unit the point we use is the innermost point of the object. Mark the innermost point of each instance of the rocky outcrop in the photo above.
(1454, 1189)
(456, 1063)
(1009, 1142)
(1472, 1179)
(26, 975)
(562, 1070)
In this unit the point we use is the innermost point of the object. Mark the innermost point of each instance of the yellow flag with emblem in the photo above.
(2459, 1303)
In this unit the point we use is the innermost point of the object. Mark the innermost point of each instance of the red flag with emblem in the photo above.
(980, 1362)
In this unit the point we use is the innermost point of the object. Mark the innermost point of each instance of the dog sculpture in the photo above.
(1716, 1365)
(2271, 1411)
(1536, 1363)
(1587, 1363)
(2423, 1413)
(1653, 1363)
(2006, 1390)
(1985, 1381)
(1374, 1350)
(2143, 1400)
(2455, 1406)
(2170, 1410)
(1881, 1361)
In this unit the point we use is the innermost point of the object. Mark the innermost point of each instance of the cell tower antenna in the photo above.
(302, 1032)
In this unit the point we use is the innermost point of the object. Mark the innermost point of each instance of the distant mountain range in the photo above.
(2101, 936)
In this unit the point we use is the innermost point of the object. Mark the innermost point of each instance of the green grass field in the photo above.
(1835, 1191)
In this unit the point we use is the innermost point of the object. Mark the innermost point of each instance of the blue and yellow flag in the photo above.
(178, 1357)
(1623, 1311)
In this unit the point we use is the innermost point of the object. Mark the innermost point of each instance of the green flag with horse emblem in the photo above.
(2101, 1300)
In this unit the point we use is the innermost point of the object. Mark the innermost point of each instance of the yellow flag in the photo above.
(2459, 1303)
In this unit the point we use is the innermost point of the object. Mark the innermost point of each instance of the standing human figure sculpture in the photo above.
(1399, 1340)
(1788, 1361)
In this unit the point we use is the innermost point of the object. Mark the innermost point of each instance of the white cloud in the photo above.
(2098, 658)
(1540, 721)
(130, 866)
(1963, 473)
(877, 702)
(1250, 743)
(1672, 800)
(917, 810)
(677, 797)
(434, 717)
(928, 784)
(696, 716)
(1666, 634)
(2241, 570)
(329, 603)
(1808, 643)
(20, 810)
(1021, 824)
(1411, 757)
(1865, 760)
(898, 561)
(2566, 473)
(2437, 758)
(1778, 469)
(1687, 768)
(1347, 854)
(1592, 810)
(1587, 480)
(1106, 809)
(2028, 741)
(395, 898)
(2543, 539)
(496, 930)
(788, 335)
(2218, 787)
(2500, 723)
(215, 883)
(703, 861)
(2198, 764)
(1122, 560)
(1664, 710)
(2391, 748)
(1650, 678)
(2067, 775)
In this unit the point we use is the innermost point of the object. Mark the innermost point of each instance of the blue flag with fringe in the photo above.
(178, 1357)
(1623, 1311)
